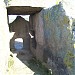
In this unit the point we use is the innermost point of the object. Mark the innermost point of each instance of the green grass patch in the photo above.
(68, 60)
(38, 68)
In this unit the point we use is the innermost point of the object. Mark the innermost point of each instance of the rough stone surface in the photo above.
(58, 38)
(22, 10)
(21, 29)
(57, 34)
(53, 38)
(37, 26)
(53, 30)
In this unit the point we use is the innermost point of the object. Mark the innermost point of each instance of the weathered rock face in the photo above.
(53, 30)
(36, 22)
(20, 27)
(4, 38)
(58, 39)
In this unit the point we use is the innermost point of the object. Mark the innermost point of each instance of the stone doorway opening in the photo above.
(18, 25)
(20, 40)
(21, 27)
(18, 44)
(24, 29)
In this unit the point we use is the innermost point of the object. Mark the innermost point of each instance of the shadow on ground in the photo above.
(26, 57)
(38, 68)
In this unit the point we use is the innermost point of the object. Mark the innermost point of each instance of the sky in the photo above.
(34, 3)
(13, 17)
(69, 6)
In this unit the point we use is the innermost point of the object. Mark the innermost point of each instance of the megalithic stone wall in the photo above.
(21, 28)
(4, 38)
(58, 40)
(53, 30)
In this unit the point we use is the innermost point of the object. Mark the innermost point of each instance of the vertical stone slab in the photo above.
(58, 40)
(53, 29)
(4, 38)
(39, 34)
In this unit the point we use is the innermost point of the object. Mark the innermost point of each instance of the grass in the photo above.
(35, 65)
(38, 68)
(68, 60)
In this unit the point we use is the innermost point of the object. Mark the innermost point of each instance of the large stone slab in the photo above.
(58, 40)
(53, 28)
